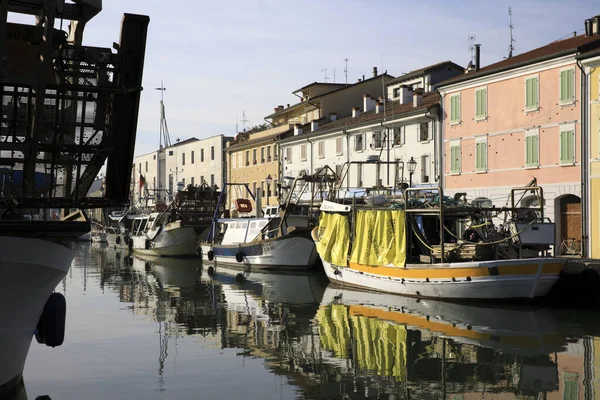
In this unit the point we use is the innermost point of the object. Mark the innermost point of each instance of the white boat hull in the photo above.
(117, 240)
(30, 270)
(501, 286)
(294, 252)
(170, 241)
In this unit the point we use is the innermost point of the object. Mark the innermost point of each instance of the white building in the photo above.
(189, 162)
(405, 125)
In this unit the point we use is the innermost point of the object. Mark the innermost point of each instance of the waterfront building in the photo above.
(188, 162)
(403, 125)
(518, 121)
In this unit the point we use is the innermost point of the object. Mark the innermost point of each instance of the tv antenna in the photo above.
(325, 74)
(164, 129)
(472, 39)
(244, 120)
(512, 40)
(346, 69)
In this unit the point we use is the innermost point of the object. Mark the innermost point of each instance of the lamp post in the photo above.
(268, 180)
(412, 165)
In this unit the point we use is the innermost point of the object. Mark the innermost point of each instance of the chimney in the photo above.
(355, 112)
(405, 94)
(288, 106)
(417, 97)
(378, 107)
(332, 117)
(368, 103)
(314, 125)
(477, 56)
(588, 27)
(276, 109)
(297, 129)
(374, 71)
(596, 25)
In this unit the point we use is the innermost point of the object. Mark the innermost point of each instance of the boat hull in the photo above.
(485, 280)
(170, 241)
(31, 269)
(118, 240)
(285, 253)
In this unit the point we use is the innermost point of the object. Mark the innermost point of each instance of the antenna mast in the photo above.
(472, 39)
(244, 120)
(346, 69)
(325, 74)
(164, 129)
(512, 40)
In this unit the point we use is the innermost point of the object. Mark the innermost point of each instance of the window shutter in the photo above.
(536, 150)
(536, 95)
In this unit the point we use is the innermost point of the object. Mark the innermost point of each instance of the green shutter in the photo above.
(531, 94)
(567, 86)
(536, 150)
(455, 108)
(481, 104)
(455, 159)
(567, 150)
(532, 151)
(481, 156)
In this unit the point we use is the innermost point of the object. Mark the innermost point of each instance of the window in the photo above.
(268, 190)
(377, 140)
(146, 166)
(140, 168)
(154, 157)
(171, 183)
(455, 158)
(262, 188)
(396, 93)
(192, 157)
(201, 179)
(321, 150)
(183, 182)
(481, 155)
(192, 183)
(532, 149)
(182, 158)
(240, 158)
(532, 95)
(303, 152)
(338, 171)
(399, 135)
(170, 152)
(212, 180)
(254, 156)
(212, 152)
(201, 155)
(247, 157)
(262, 154)
(567, 146)
(268, 153)
(455, 109)
(358, 142)
(254, 188)
(423, 132)
(154, 182)
(425, 168)
(233, 160)
(481, 104)
(288, 155)
(567, 86)
(359, 181)
(339, 146)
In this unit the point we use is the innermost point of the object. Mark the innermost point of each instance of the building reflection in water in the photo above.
(339, 343)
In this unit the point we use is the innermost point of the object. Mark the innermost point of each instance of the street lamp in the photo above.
(412, 165)
(268, 180)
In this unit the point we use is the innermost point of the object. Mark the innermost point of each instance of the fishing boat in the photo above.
(275, 242)
(434, 246)
(176, 230)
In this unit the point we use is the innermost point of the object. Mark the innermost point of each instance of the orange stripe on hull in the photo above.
(449, 273)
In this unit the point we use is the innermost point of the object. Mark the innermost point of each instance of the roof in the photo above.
(186, 141)
(317, 84)
(257, 140)
(393, 110)
(559, 48)
(344, 87)
(423, 71)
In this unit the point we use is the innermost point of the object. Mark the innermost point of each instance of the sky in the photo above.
(221, 59)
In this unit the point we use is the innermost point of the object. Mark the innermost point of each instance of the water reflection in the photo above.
(320, 341)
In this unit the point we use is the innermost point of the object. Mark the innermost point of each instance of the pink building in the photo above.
(515, 120)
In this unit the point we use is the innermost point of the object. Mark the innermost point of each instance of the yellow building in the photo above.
(252, 158)
(591, 117)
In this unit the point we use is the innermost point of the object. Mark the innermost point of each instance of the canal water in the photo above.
(169, 329)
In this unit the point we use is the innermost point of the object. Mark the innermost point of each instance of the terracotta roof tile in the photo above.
(551, 50)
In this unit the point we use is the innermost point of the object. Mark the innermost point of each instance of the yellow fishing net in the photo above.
(380, 238)
(333, 238)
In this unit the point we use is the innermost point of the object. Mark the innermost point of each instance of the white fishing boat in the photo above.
(439, 247)
(275, 242)
(176, 230)
(118, 229)
(31, 269)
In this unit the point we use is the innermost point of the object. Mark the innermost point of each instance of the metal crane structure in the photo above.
(66, 109)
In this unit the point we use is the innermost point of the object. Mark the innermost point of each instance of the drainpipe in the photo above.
(440, 144)
(434, 120)
(584, 163)
(345, 132)
(311, 156)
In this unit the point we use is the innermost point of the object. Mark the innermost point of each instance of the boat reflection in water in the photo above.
(328, 342)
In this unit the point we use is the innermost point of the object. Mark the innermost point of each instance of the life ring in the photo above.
(211, 255)
(118, 240)
(126, 239)
(51, 325)
(147, 245)
(239, 256)
(199, 251)
(243, 205)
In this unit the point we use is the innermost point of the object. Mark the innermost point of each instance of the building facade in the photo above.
(519, 120)
(189, 162)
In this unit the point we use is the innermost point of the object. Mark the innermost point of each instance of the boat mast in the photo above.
(164, 129)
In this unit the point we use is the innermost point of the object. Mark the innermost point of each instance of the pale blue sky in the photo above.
(220, 58)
